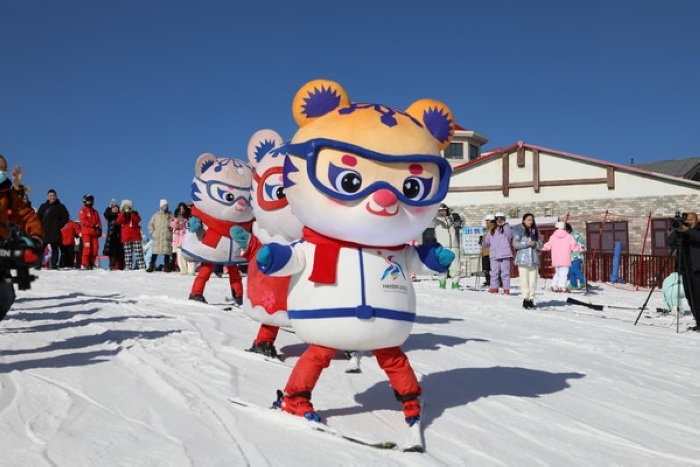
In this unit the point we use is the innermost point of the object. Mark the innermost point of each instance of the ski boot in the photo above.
(264, 348)
(411, 407)
(455, 285)
(443, 283)
(197, 297)
(297, 404)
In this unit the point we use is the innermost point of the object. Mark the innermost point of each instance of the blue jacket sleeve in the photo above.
(427, 255)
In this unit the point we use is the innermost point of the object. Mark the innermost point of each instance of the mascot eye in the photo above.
(344, 181)
(274, 192)
(222, 193)
(417, 188)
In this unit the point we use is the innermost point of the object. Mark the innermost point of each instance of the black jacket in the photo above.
(53, 217)
(690, 248)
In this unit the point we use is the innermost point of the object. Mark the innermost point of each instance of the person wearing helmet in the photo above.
(497, 239)
(91, 230)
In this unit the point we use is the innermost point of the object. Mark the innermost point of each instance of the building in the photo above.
(605, 201)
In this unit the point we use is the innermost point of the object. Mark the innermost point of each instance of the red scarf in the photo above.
(216, 228)
(327, 252)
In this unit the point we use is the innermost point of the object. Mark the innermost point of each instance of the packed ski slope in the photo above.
(118, 368)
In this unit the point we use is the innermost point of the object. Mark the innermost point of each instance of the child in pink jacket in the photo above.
(561, 244)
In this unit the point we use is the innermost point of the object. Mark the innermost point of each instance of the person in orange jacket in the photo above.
(91, 230)
(14, 211)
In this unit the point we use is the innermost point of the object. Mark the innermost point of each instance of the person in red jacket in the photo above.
(91, 230)
(130, 223)
(69, 233)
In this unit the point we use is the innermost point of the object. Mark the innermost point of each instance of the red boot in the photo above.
(297, 404)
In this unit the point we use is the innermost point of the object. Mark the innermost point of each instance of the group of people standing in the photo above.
(76, 244)
(501, 244)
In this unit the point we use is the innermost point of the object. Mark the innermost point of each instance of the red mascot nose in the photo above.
(384, 197)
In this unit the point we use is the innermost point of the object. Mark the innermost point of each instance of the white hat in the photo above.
(163, 202)
(500, 214)
(560, 225)
(126, 202)
(489, 217)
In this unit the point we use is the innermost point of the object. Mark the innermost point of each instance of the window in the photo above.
(454, 151)
(612, 232)
(473, 152)
(660, 229)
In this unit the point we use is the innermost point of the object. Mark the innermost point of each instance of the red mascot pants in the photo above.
(234, 278)
(316, 358)
(266, 333)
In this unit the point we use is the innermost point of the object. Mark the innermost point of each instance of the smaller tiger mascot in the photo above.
(221, 192)
(265, 299)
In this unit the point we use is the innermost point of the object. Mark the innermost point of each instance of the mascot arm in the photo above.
(240, 236)
(432, 258)
(274, 259)
(194, 224)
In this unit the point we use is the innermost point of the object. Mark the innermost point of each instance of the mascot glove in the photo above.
(444, 256)
(240, 236)
(264, 256)
(194, 224)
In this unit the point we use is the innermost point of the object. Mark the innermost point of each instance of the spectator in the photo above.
(498, 242)
(527, 244)
(131, 238)
(687, 240)
(179, 228)
(113, 248)
(14, 211)
(91, 231)
(162, 235)
(53, 215)
(561, 244)
(576, 278)
(489, 223)
(69, 233)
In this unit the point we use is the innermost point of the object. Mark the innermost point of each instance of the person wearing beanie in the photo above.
(90, 230)
(53, 215)
(162, 234)
(130, 222)
(113, 248)
(489, 223)
(561, 244)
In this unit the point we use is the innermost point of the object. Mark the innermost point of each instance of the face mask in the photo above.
(3, 176)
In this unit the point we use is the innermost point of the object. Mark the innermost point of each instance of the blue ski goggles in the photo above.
(227, 194)
(346, 172)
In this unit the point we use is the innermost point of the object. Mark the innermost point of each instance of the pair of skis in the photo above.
(414, 441)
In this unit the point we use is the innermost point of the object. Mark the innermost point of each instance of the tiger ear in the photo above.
(437, 119)
(204, 161)
(317, 98)
(261, 143)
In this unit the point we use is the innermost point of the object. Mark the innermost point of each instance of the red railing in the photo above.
(598, 269)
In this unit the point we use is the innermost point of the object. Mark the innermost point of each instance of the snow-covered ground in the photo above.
(103, 368)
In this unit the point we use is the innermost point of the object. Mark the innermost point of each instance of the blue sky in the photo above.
(118, 99)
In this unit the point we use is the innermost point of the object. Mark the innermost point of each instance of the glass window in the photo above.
(454, 151)
(612, 232)
(473, 152)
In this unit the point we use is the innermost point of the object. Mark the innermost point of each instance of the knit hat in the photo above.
(489, 217)
(560, 225)
(126, 202)
(163, 202)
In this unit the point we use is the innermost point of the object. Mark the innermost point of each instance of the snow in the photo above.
(118, 368)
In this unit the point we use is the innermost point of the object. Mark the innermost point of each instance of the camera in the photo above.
(678, 220)
(18, 256)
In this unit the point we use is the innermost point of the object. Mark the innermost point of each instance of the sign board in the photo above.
(470, 240)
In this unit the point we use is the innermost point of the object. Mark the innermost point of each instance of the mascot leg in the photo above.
(403, 380)
(305, 374)
(265, 342)
(234, 279)
(197, 292)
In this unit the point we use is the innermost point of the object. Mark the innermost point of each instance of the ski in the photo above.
(573, 301)
(320, 427)
(255, 356)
